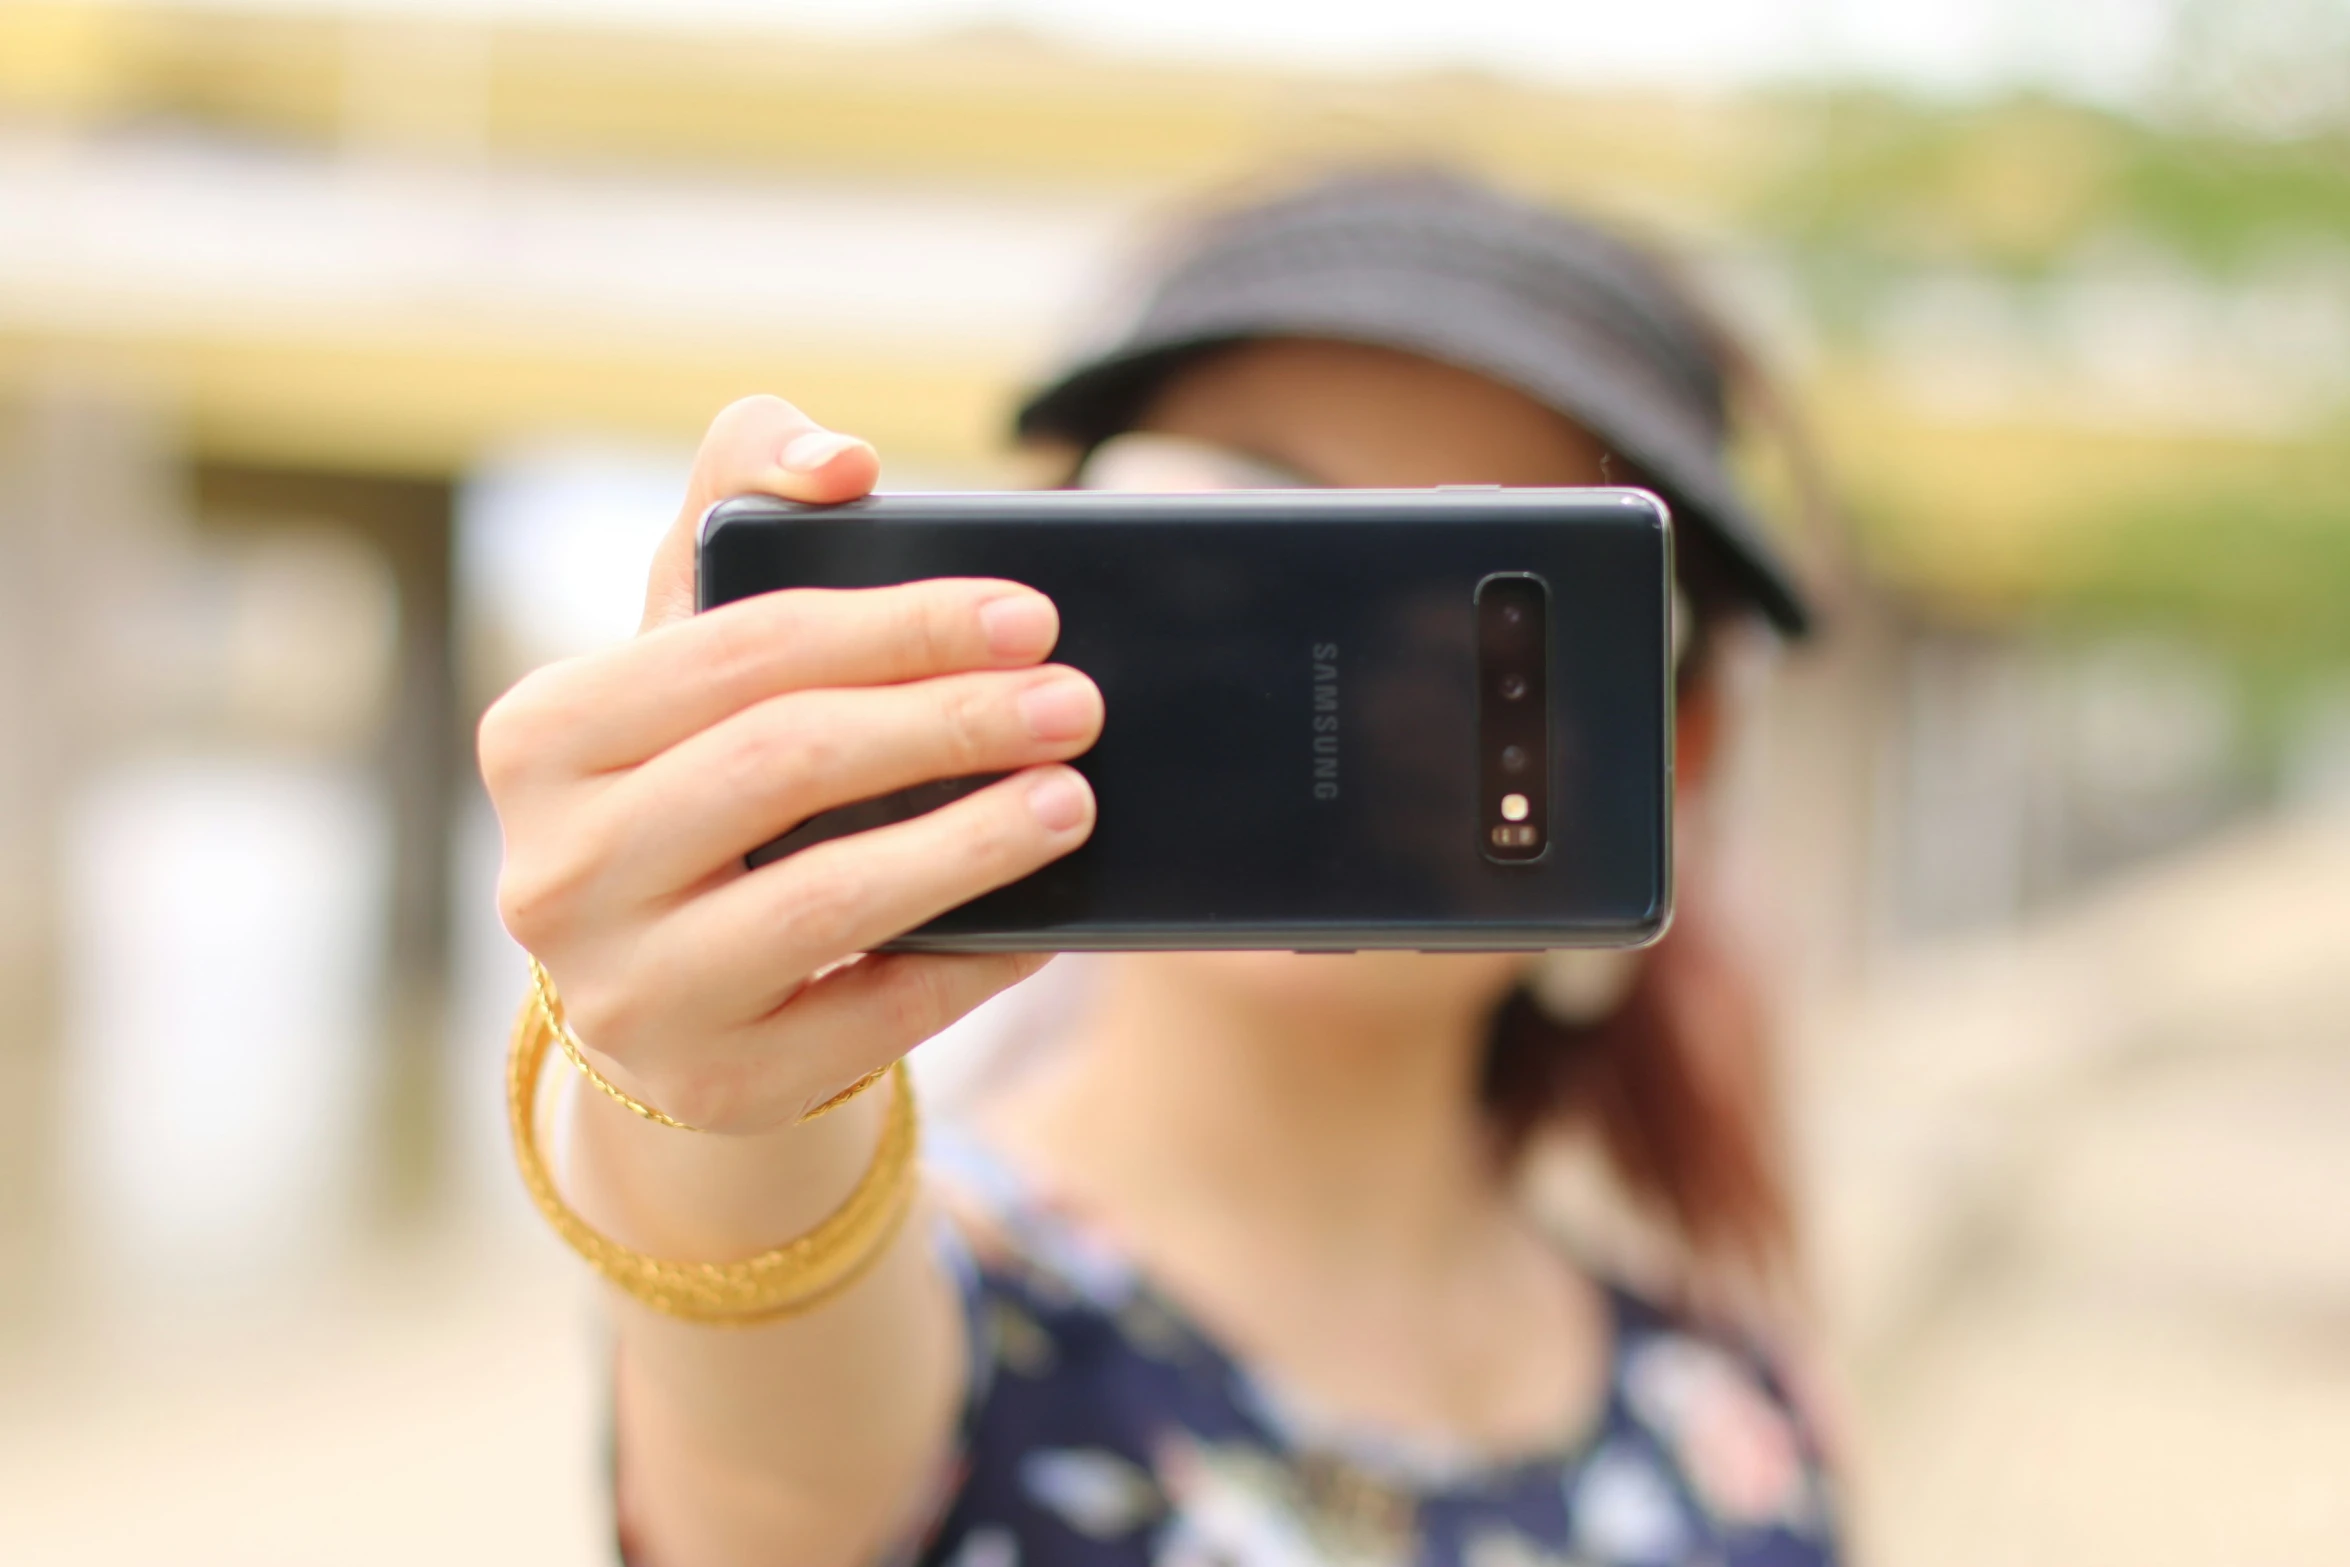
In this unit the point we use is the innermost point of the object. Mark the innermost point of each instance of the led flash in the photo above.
(1514, 808)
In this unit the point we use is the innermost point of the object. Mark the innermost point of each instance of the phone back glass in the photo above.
(1220, 628)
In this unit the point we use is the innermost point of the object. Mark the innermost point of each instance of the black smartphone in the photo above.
(1335, 719)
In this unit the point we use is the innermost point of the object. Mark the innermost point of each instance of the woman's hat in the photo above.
(1435, 265)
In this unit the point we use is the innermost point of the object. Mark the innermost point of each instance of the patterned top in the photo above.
(1105, 1430)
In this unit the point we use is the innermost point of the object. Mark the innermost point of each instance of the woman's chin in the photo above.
(1378, 986)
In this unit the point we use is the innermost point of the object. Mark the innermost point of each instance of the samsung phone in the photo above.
(1335, 719)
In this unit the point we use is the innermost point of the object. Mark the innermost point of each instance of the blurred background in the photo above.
(350, 360)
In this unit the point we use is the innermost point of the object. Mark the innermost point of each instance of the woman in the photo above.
(1243, 1275)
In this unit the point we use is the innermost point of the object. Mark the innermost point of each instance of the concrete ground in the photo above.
(2083, 1200)
(2080, 1197)
(438, 1404)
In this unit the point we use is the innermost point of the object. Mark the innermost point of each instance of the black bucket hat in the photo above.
(1435, 265)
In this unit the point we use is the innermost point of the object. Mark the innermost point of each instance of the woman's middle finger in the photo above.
(711, 799)
(743, 949)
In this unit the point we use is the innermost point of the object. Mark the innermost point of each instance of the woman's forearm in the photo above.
(630, 784)
(807, 1440)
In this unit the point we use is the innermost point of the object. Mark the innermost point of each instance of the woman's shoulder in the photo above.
(1714, 1408)
(1015, 1237)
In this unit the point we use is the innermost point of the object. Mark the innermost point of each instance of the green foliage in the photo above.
(2250, 555)
(2256, 563)
(2020, 185)
(2222, 204)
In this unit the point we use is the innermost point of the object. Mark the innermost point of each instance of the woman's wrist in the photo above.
(684, 1195)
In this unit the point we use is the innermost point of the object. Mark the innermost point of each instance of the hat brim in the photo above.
(1106, 395)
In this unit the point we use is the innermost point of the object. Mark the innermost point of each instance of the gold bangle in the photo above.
(543, 996)
(794, 1277)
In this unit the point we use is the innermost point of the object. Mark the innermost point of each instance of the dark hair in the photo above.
(1675, 1087)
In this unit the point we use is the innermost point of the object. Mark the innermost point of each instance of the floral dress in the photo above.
(1105, 1430)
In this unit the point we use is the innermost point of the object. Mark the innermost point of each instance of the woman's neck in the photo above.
(1355, 1134)
(1314, 1183)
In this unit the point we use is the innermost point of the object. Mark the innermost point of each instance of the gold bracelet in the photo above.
(794, 1277)
(550, 1007)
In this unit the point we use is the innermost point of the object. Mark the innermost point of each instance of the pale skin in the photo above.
(1289, 1145)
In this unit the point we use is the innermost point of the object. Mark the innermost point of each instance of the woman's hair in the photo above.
(1674, 1086)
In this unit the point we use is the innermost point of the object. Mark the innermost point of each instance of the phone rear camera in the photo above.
(1513, 716)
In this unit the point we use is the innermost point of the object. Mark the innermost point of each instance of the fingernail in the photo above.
(1058, 802)
(1019, 625)
(810, 452)
(1062, 708)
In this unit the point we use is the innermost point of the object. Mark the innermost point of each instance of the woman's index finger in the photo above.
(630, 702)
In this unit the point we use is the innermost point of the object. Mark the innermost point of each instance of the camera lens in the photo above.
(1513, 755)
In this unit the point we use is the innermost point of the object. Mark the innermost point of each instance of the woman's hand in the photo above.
(631, 782)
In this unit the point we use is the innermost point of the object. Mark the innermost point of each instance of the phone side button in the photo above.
(1322, 952)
